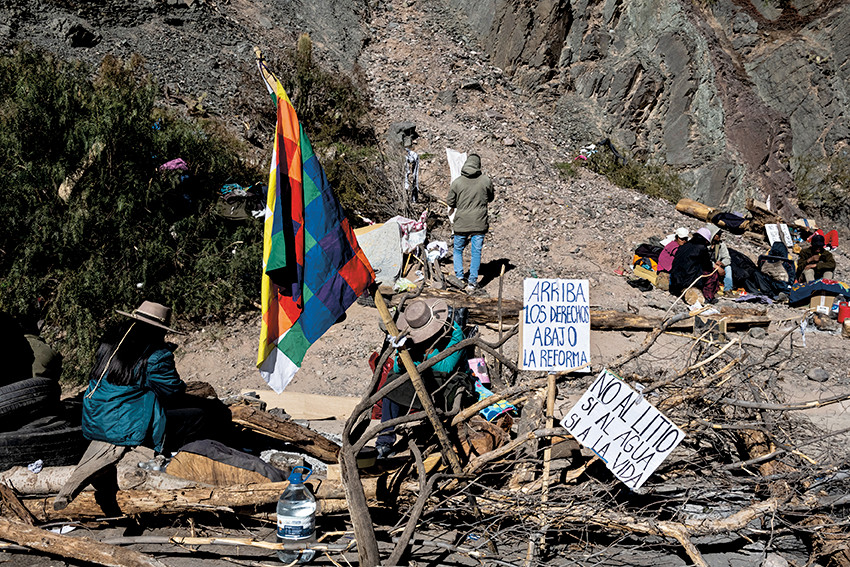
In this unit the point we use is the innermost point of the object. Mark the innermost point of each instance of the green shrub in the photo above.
(127, 232)
(653, 180)
(566, 169)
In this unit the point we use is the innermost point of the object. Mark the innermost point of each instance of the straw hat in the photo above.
(152, 313)
(423, 319)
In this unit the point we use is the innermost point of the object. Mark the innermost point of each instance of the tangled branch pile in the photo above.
(751, 466)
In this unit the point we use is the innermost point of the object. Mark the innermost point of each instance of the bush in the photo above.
(566, 169)
(127, 232)
(652, 180)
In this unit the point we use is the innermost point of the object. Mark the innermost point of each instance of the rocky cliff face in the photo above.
(730, 93)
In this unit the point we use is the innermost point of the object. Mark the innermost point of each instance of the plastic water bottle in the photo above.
(296, 517)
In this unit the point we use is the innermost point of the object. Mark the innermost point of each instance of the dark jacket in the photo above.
(469, 194)
(131, 415)
(826, 263)
(693, 258)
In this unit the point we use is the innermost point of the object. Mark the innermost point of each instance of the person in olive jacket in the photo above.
(815, 262)
(135, 395)
(469, 195)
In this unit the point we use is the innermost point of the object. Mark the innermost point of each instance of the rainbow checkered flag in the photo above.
(313, 267)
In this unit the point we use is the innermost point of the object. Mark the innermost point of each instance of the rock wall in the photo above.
(729, 93)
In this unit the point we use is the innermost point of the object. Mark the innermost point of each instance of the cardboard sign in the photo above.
(623, 429)
(555, 324)
(777, 232)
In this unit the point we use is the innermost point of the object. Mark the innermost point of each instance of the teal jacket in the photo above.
(446, 365)
(132, 415)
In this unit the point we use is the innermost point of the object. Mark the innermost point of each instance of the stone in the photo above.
(403, 133)
(758, 332)
(447, 96)
(817, 375)
(472, 85)
(774, 560)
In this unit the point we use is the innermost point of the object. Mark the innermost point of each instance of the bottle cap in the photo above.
(299, 477)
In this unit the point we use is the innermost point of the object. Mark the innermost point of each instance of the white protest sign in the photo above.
(555, 324)
(786, 236)
(623, 429)
(772, 231)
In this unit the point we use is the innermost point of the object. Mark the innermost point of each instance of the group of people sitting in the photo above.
(702, 261)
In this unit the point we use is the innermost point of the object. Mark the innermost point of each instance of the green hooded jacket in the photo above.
(469, 194)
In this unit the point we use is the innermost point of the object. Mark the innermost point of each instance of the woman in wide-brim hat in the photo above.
(135, 395)
(429, 327)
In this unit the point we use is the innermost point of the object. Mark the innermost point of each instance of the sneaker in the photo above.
(471, 288)
(455, 281)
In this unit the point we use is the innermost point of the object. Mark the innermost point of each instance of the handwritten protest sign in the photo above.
(623, 429)
(777, 232)
(555, 324)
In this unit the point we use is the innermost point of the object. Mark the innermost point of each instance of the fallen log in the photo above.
(130, 502)
(305, 439)
(695, 209)
(51, 479)
(80, 548)
(484, 310)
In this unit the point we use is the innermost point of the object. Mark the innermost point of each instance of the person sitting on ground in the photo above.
(776, 263)
(815, 262)
(692, 265)
(720, 255)
(468, 197)
(135, 395)
(427, 325)
(665, 258)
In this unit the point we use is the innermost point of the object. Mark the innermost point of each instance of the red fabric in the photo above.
(712, 284)
(387, 368)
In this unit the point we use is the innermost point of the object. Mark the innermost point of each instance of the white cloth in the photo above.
(456, 160)
(412, 231)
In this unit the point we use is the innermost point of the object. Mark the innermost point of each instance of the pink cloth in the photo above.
(665, 259)
(174, 164)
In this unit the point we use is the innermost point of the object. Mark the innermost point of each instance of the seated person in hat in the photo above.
(815, 262)
(693, 267)
(426, 325)
(135, 396)
(665, 258)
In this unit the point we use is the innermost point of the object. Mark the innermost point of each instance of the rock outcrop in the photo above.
(730, 93)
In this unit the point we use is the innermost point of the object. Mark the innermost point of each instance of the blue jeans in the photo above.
(727, 279)
(460, 242)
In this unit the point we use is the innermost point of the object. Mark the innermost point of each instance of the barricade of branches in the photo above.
(752, 466)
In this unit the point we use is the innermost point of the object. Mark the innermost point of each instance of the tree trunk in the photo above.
(131, 502)
(695, 209)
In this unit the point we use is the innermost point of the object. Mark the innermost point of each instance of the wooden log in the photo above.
(51, 479)
(80, 548)
(695, 209)
(132, 502)
(305, 439)
(761, 215)
(483, 310)
(11, 501)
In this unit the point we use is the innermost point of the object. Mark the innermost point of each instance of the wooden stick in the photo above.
(81, 548)
(499, 362)
(446, 448)
(305, 439)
